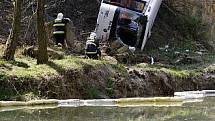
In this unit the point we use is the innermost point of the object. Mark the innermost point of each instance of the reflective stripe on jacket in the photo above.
(91, 43)
(59, 32)
(91, 47)
(59, 26)
(91, 53)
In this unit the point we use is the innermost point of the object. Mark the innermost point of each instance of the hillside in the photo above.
(75, 77)
(182, 45)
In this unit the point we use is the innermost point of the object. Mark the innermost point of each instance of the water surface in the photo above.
(195, 111)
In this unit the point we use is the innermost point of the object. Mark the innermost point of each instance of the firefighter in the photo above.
(60, 29)
(92, 47)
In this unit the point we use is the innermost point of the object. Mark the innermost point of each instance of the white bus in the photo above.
(129, 20)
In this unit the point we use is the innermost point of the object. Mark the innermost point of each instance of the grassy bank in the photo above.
(74, 77)
(21, 78)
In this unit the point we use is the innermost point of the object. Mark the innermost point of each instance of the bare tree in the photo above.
(42, 55)
(14, 34)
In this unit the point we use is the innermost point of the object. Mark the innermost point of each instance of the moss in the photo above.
(181, 114)
(195, 73)
(180, 73)
(109, 89)
(7, 94)
(121, 69)
(209, 69)
(24, 70)
(11, 94)
(27, 67)
(92, 93)
(2, 75)
(177, 73)
(28, 96)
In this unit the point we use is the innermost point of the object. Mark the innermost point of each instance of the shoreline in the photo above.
(73, 77)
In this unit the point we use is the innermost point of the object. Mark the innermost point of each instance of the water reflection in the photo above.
(199, 111)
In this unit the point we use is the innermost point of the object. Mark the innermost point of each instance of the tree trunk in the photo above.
(70, 35)
(11, 44)
(42, 56)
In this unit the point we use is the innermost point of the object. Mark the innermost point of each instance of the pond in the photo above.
(192, 111)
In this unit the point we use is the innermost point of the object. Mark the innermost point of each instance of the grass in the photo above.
(93, 93)
(202, 63)
(31, 70)
(7, 94)
(25, 69)
(180, 73)
(210, 69)
(110, 85)
(184, 114)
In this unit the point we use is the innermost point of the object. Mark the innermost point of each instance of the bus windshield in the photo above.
(136, 5)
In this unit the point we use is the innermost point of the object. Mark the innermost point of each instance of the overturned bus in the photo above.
(129, 20)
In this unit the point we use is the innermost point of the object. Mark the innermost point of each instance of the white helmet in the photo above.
(60, 16)
(92, 35)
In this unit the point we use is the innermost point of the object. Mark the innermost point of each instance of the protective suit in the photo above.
(92, 47)
(60, 29)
